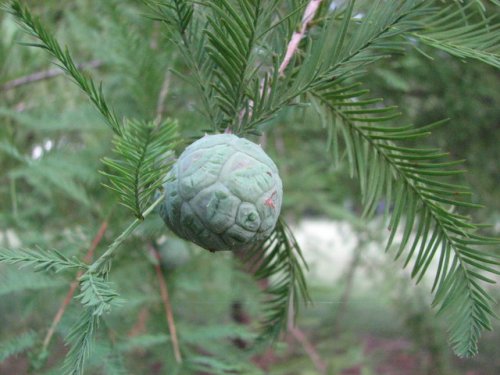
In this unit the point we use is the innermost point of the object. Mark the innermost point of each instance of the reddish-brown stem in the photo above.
(301, 337)
(309, 348)
(140, 326)
(160, 111)
(87, 259)
(297, 36)
(166, 303)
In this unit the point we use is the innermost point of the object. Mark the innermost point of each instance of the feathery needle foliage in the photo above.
(98, 297)
(232, 58)
(64, 61)
(381, 165)
(17, 345)
(97, 294)
(233, 50)
(411, 179)
(223, 43)
(40, 260)
(80, 339)
(146, 155)
(280, 261)
(378, 162)
(460, 35)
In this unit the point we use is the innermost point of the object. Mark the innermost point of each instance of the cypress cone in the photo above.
(223, 193)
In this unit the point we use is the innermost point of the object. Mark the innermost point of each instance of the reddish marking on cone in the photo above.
(270, 201)
(241, 165)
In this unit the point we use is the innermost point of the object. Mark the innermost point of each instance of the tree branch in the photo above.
(309, 348)
(166, 302)
(45, 74)
(301, 337)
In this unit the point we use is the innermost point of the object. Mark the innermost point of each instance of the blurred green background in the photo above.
(368, 317)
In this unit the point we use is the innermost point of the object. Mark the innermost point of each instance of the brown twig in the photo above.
(293, 45)
(140, 326)
(88, 258)
(297, 36)
(160, 105)
(344, 299)
(45, 74)
(160, 110)
(166, 302)
(301, 337)
(309, 348)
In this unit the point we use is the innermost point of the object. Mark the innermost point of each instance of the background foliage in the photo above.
(53, 143)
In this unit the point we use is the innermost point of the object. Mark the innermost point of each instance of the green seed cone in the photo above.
(223, 193)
